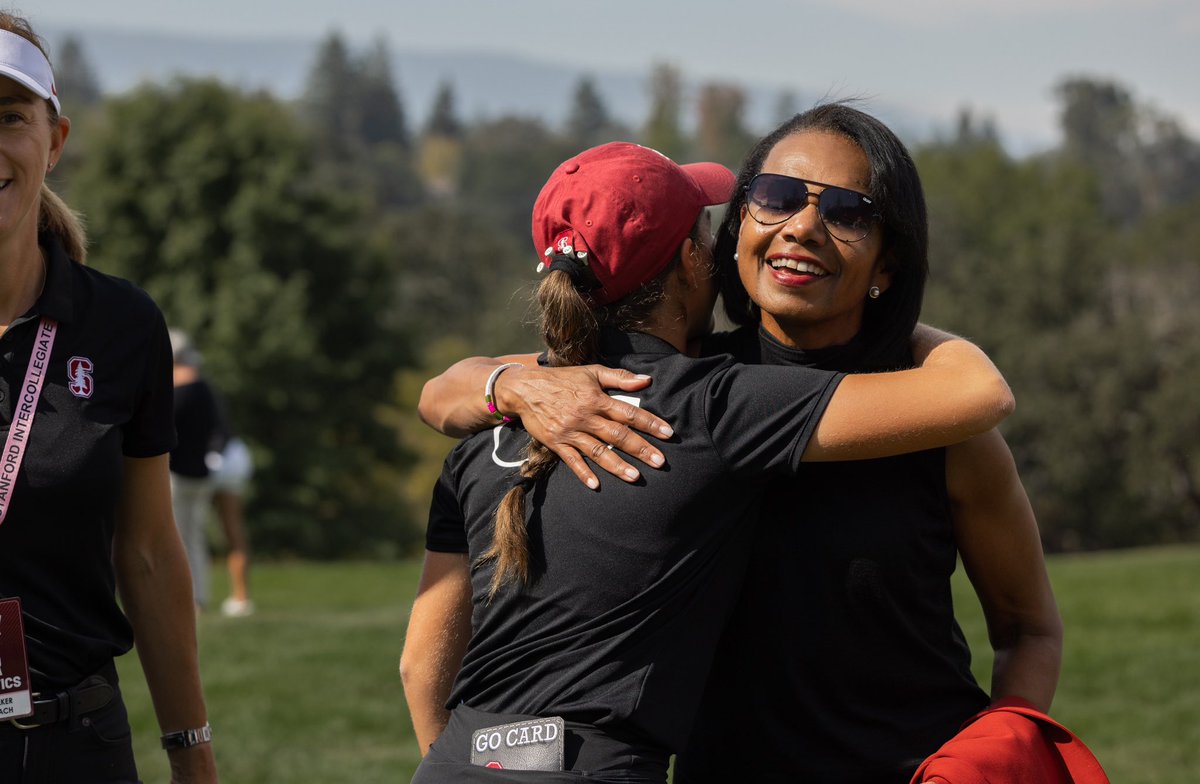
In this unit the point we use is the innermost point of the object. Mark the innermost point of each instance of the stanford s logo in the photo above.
(79, 373)
(563, 242)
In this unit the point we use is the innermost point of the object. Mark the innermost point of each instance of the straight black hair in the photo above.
(895, 186)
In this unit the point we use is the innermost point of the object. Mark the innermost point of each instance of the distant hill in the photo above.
(485, 84)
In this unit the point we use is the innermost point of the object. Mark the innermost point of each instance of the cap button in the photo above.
(637, 178)
(571, 168)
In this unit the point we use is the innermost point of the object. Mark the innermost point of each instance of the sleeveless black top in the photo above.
(843, 661)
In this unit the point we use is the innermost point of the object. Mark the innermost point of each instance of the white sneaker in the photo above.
(237, 608)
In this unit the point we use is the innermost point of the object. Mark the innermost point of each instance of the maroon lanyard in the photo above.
(24, 408)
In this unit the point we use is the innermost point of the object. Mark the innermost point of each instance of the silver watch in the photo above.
(185, 739)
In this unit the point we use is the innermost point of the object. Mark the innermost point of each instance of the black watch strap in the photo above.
(185, 739)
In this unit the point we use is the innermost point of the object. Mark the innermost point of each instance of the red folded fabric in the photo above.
(1012, 742)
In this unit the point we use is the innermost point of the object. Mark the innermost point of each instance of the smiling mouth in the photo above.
(802, 267)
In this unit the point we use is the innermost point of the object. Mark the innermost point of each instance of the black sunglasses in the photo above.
(773, 198)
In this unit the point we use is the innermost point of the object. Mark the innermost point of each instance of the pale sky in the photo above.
(1001, 58)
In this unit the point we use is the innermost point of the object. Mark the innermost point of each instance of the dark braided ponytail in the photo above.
(570, 326)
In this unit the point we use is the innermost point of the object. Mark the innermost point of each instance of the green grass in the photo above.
(306, 690)
(1130, 686)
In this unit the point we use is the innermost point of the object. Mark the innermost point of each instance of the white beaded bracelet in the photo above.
(489, 391)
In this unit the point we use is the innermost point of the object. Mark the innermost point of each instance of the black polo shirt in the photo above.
(56, 543)
(842, 660)
(632, 585)
(198, 429)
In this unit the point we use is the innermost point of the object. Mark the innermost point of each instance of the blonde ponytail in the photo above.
(55, 217)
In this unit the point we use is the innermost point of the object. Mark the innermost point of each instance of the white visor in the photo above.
(24, 63)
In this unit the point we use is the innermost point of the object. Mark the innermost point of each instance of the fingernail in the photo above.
(631, 473)
(593, 483)
(656, 459)
(666, 431)
(641, 376)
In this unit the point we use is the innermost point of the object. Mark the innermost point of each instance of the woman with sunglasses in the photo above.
(593, 616)
(878, 675)
(843, 659)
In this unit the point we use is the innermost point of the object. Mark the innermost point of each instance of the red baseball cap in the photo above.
(628, 208)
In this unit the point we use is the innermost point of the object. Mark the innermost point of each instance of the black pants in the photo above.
(592, 755)
(95, 748)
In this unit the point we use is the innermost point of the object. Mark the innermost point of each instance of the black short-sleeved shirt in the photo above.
(630, 585)
(198, 429)
(106, 396)
(842, 660)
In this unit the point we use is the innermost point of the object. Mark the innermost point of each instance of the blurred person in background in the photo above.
(592, 617)
(229, 477)
(200, 437)
(210, 464)
(85, 497)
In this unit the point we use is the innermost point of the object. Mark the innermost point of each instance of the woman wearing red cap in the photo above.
(593, 616)
(85, 502)
(843, 660)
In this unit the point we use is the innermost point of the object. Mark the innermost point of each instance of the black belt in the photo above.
(89, 695)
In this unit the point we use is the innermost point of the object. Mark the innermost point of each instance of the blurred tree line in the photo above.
(328, 258)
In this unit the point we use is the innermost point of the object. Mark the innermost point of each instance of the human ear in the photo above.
(882, 279)
(885, 265)
(690, 263)
(58, 139)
